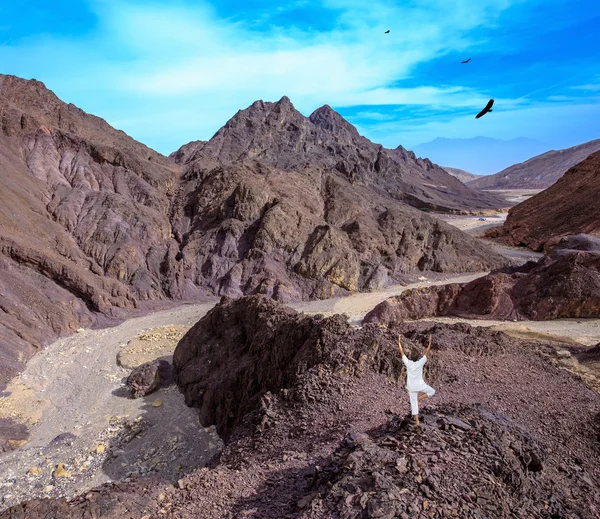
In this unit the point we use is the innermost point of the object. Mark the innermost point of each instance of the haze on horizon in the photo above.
(171, 74)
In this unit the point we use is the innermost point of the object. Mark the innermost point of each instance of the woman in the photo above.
(415, 385)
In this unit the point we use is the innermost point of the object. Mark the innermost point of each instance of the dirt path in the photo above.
(72, 394)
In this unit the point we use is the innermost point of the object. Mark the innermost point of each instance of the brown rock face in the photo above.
(245, 347)
(539, 172)
(568, 207)
(93, 222)
(83, 220)
(565, 283)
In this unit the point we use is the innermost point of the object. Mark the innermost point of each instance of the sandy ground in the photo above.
(477, 225)
(515, 196)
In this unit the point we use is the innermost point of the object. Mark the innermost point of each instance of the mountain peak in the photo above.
(328, 119)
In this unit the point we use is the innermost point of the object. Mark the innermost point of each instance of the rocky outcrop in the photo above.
(306, 382)
(93, 223)
(376, 474)
(539, 172)
(564, 283)
(246, 347)
(568, 207)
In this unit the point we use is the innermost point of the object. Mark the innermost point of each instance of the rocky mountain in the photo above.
(278, 136)
(539, 172)
(84, 220)
(93, 223)
(570, 206)
(462, 175)
(563, 284)
(480, 155)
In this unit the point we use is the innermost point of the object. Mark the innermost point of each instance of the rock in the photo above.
(212, 360)
(149, 377)
(157, 403)
(563, 354)
(80, 330)
(459, 424)
(100, 449)
(60, 471)
(34, 471)
(563, 284)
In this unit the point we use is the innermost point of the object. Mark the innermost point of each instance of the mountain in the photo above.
(480, 155)
(84, 220)
(570, 206)
(462, 175)
(94, 224)
(539, 172)
(277, 135)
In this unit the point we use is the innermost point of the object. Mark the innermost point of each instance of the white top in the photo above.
(414, 373)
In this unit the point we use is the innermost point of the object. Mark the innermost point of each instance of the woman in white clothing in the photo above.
(415, 385)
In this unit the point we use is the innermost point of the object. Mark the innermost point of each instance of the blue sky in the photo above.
(170, 73)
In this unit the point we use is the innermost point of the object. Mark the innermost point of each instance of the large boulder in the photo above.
(149, 377)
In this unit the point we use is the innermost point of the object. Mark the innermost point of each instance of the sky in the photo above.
(169, 73)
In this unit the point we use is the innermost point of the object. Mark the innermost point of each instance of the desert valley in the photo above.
(213, 333)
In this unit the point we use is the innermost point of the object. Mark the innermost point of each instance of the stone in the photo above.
(149, 377)
(60, 471)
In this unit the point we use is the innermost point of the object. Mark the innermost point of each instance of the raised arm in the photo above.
(400, 346)
(428, 348)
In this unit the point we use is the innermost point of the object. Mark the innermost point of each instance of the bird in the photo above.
(488, 108)
(466, 61)
(386, 32)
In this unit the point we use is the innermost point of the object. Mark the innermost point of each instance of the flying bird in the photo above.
(488, 108)
(386, 32)
(466, 61)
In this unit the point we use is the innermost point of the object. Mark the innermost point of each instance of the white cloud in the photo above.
(169, 74)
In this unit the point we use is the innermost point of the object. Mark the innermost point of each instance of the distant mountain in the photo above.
(539, 172)
(480, 155)
(462, 175)
(570, 206)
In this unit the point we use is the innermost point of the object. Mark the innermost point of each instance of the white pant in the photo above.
(414, 398)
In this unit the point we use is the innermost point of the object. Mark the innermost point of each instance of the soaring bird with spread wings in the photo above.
(488, 108)
(466, 61)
